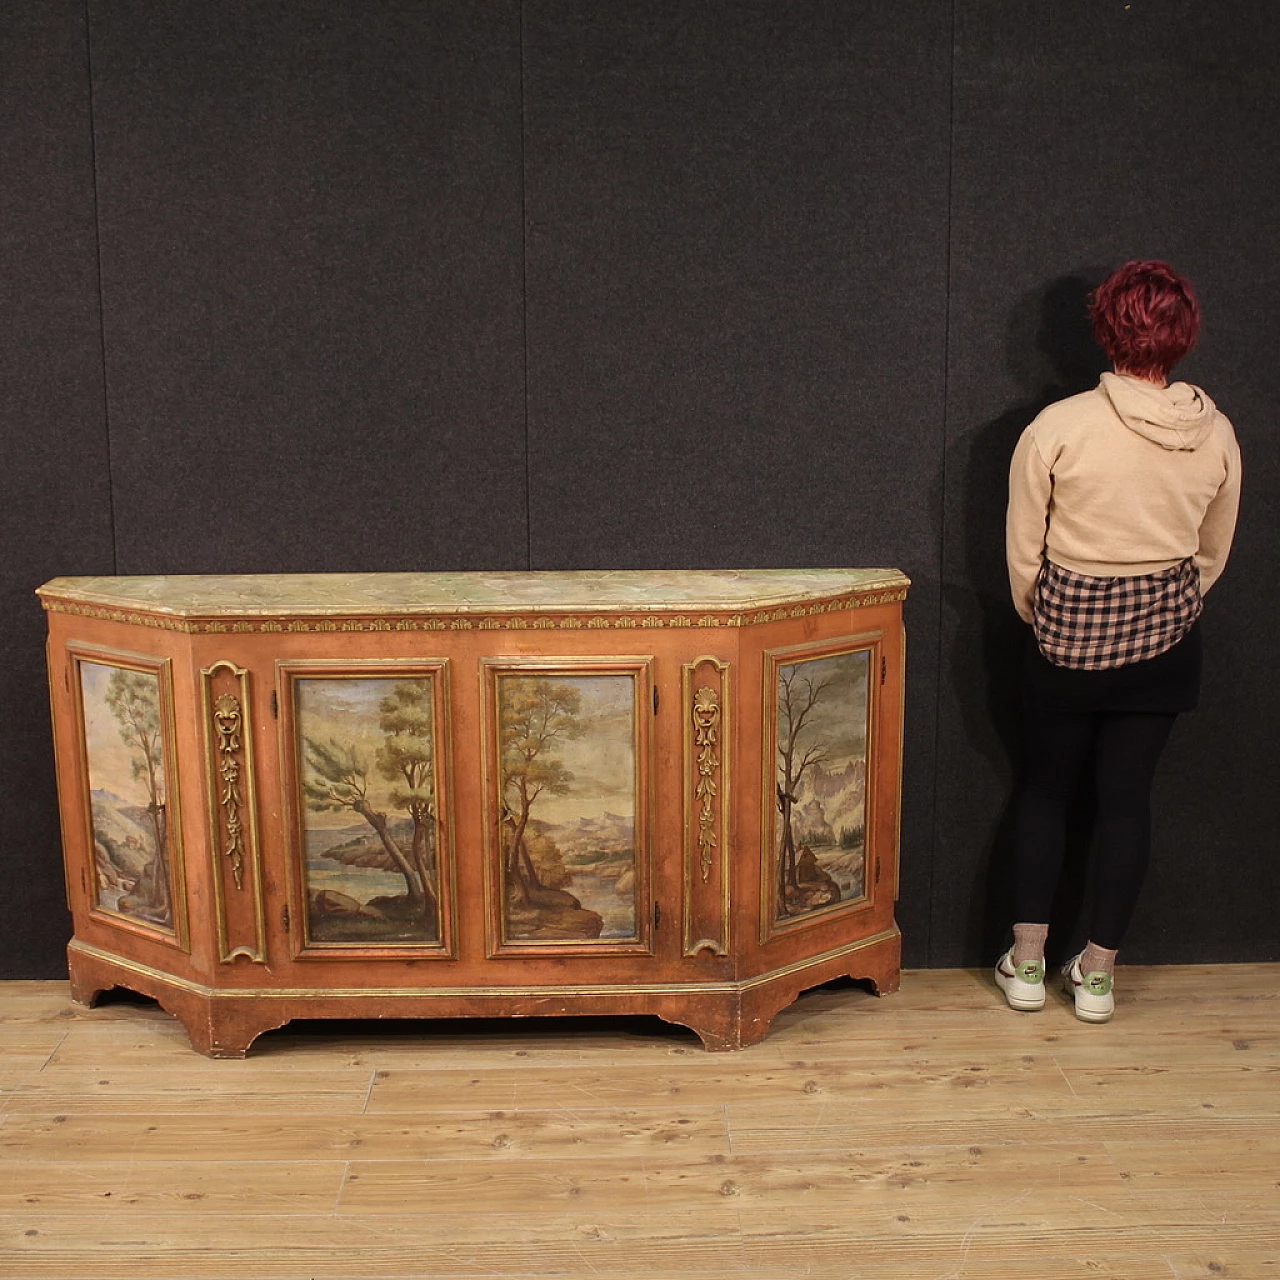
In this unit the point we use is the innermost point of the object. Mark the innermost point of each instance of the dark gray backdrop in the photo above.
(378, 285)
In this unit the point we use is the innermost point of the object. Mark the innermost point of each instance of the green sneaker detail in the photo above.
(1032, 971)
(1098, 984)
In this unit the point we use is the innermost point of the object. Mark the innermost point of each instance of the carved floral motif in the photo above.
(227, 727)
(706, 729)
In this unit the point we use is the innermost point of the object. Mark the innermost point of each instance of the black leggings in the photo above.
(1126, 746)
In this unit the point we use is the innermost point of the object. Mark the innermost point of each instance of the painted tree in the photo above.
(800, 690)
(407, 761)
(134, 700)
(535, 715)
(338, 778)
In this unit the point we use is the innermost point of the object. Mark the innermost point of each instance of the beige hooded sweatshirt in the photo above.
(1126, 479)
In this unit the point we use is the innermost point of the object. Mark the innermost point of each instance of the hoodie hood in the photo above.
(1178, 416)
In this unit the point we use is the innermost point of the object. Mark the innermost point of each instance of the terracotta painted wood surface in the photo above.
(472, 795)
(934, 1135)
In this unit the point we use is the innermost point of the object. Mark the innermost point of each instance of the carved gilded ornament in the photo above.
(707, 713)
(706, 728)
(227, 728)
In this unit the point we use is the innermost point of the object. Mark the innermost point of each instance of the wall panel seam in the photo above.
(940, 638)
(102, 317)
(524, 296)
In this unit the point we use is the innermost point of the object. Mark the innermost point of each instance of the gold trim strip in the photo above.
(707, 737)
(706, 786)
(487, 990)
(613, 620)
(232, 797)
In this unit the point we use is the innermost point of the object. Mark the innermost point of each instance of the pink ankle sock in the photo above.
(1096, 959)
(1028, 942)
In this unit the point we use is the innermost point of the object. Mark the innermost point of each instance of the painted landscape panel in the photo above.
(128, 766)
(568, 805)
(820, 784)
(369, 798)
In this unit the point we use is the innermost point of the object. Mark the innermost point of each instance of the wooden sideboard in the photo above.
(459, 795)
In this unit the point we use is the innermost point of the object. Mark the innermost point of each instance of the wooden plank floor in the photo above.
(932, 1135)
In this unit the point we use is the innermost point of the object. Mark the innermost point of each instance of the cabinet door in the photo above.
(366, 754)
(818, 820)
(568, 805)
(127, 773)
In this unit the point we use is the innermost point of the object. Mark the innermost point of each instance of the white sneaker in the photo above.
(1092, 992)
(1023, 984)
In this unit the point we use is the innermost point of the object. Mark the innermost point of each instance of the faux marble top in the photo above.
(303, 594)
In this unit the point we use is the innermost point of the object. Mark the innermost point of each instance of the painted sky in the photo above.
(839, 719)
(110, 760)
(346, 709)
(603, 760)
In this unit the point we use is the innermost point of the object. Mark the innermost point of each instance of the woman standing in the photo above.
(1122, 507)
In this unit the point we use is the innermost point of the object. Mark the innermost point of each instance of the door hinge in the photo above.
(657, 915)
(877, 871)
(655, 699)
(884, 668)
(275, 705)
(284, 917)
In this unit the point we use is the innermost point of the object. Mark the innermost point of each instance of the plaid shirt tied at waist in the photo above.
(1094, 624)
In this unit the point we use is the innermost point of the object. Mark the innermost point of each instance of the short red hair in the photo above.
(1146, 317)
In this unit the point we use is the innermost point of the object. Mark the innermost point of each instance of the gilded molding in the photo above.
(226, 727)
(551, 991)
(705, 687)
(612, 620)
(706, 785)
(232, 822)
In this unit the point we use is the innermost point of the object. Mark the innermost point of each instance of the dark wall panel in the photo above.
(54, 496)
(736, 270)
(610, 283)
(1086, 135)
(311, 279)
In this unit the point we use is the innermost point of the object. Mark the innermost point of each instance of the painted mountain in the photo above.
(590, 840)
(123, 833)
(124, 848)
(830, 806)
